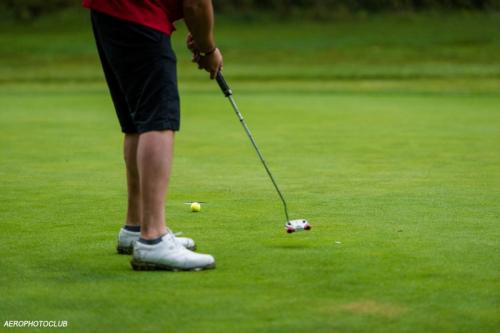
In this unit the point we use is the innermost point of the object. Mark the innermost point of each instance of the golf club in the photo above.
(290, 225)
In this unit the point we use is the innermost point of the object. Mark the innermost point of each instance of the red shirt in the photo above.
(157, 14)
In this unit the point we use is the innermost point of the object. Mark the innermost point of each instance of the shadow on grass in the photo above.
(290, 244)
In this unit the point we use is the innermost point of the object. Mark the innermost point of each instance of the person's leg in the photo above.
(154, 159)
(130, 143)
(158, 248)
(130, 233)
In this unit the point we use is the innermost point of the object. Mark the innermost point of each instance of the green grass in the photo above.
(397, 168)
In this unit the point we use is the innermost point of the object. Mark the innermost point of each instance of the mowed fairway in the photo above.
(399, 178)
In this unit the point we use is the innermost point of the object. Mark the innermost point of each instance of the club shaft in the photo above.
(261, 157)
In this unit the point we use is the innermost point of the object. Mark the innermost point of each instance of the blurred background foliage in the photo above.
(314, 9)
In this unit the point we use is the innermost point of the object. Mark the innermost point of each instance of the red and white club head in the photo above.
(297, 225)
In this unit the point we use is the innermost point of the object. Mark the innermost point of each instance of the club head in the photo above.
(297, 225)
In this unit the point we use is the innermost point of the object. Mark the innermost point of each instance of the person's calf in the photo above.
(154, 159)
(134, 211)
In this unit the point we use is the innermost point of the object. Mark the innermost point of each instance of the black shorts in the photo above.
(140, 69)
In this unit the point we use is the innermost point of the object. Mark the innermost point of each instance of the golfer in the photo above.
(133, 43)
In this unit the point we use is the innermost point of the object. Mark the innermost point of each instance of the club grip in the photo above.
(223, 85)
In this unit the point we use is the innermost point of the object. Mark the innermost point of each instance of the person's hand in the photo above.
(191, 44)
(212, 62)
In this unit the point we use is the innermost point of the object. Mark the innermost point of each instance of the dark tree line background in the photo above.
(30, 9)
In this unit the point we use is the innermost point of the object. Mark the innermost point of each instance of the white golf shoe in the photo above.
(169, 255)
(127, 238)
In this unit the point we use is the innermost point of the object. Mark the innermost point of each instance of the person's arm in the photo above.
(199, 18)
